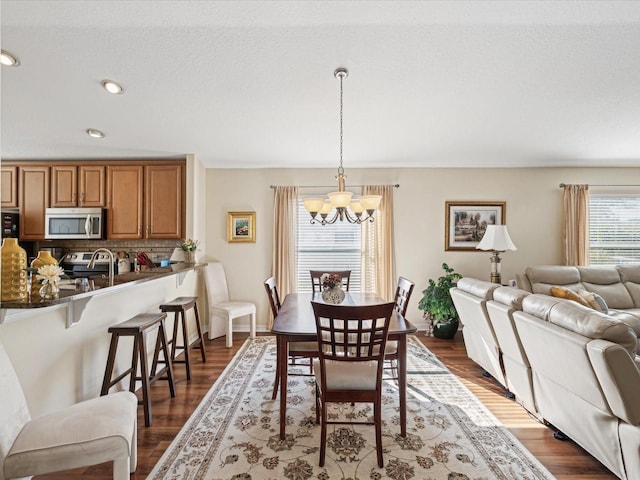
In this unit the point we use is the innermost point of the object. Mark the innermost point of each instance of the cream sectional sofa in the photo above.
(573, 367)
(619, 286)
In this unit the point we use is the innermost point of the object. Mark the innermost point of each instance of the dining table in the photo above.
(295, 322)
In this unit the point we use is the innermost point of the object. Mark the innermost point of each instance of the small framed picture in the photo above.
(466, 222)
(241, 227)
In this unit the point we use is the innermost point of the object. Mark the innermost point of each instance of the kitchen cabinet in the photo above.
(9, 187)
(33, 189)
(77, 186)
(164, 200)
(124, 201)
(145, 201)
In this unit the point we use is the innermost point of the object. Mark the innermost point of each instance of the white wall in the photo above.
(533, 215)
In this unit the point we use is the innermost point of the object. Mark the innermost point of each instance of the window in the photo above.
(334, 247)
(614, 229)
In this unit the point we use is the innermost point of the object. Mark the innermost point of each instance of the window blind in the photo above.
(614, 229)
(331, 247)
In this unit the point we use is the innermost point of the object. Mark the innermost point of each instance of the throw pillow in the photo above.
(594, 300)
(564, 292)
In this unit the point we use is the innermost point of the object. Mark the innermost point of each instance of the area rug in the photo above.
(233, 434)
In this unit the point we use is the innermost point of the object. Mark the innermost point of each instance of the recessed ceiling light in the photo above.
(112, 87)
(9, 60)
(94, 133)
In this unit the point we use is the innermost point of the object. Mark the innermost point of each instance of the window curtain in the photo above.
(378, 252)
(285, 233)
(575, 225)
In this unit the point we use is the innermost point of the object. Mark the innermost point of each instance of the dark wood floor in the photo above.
(565, 460)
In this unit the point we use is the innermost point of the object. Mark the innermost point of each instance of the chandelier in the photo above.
(351, 210)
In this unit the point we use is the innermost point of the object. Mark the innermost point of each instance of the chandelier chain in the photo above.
(341, 168)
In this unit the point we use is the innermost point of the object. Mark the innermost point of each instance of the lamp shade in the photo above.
(496, 238)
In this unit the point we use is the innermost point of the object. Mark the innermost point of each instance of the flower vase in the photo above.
(14, 270)
(44, 258)
(189, 257)
(334, 295)
(50, 291)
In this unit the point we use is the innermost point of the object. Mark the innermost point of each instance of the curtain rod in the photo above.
(397, 185)
(562, 185)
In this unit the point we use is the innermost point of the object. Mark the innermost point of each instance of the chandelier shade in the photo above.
(347, 208)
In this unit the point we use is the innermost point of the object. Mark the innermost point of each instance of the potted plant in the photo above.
(438, 306)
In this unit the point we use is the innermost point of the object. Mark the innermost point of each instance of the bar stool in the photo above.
(138, 327)
(180, 306)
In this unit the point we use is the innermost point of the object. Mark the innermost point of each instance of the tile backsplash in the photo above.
(156, 249)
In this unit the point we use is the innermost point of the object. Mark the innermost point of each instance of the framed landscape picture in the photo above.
(466, 222)
(241, 227)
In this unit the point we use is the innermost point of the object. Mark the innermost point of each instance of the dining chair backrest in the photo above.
(216, 281)
(274, 297)
(316, 284)
(352, 333)
(403, 294)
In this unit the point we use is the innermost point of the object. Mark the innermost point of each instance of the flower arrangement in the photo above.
(189, 245)
(330, 280)
(49, 274)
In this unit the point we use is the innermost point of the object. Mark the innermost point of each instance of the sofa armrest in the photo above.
(619, 378)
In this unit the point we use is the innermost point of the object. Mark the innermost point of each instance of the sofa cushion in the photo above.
(477, 288)
(567, 293)
(543, 277)
(594, 300)
(539, 305)
(630, 317)
(510, 296)
(592, 324)
(630, 276)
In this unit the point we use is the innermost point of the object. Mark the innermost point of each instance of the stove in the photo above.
(75, 264)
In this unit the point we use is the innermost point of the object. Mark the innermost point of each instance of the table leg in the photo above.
(402, 382)
(283, 343)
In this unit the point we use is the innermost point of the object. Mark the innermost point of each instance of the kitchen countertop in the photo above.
(100, 284)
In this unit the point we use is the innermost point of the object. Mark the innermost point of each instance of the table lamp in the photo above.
(496, 238)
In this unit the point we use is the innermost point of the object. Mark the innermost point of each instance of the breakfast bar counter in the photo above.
(99, 284)
(59, 348)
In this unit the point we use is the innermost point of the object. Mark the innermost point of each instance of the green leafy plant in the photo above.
(436, 300)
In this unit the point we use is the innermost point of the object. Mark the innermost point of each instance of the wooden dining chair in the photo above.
(404, 289)
(316, 284)
(351, 345)
(297, 350)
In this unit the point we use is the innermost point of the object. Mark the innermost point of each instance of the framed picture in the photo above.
(241, 227)
(466, 222)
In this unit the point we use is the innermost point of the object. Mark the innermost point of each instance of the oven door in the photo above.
(74, 223)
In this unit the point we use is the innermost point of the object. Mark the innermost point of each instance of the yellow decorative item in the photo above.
(14, 273)
(564, 292)
(44, 258)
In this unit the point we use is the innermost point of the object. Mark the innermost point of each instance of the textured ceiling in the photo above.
(250, 84)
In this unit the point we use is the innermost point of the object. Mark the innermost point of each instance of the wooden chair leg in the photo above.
(377, 416)
(185, 342)
(200, 336)
(323, 433)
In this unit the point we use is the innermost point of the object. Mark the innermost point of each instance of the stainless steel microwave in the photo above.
(74, 223)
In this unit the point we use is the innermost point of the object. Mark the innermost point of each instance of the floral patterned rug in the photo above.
(233, 434)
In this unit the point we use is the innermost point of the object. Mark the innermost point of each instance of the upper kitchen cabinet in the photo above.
(124, 201)
(33, 188)
(145, 201)
(9, 187)
(78, 186)
(164, 201)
